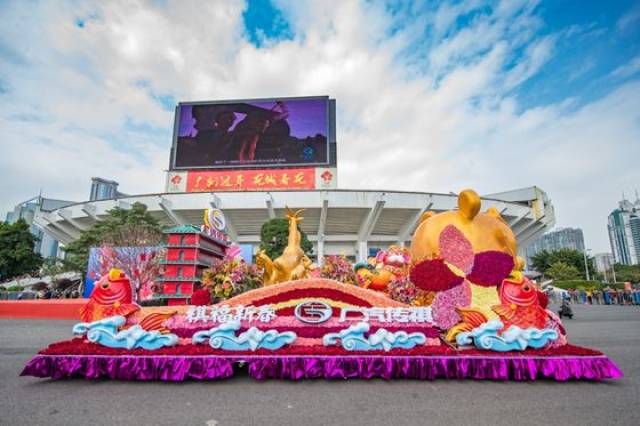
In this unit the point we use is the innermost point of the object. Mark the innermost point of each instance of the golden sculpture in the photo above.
(486, 231)
(293, 264)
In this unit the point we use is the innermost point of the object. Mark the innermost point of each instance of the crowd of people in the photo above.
(607, 296)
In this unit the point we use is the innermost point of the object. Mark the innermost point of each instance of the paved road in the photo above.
(243, 401)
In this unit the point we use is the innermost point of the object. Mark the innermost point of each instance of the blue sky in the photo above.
(489, 95)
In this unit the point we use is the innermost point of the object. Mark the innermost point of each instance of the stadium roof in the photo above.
(337, 221)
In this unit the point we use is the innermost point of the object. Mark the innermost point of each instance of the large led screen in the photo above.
(264, 133)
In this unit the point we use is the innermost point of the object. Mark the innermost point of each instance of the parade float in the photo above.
(455, 305)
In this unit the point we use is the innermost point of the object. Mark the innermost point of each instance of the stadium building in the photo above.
(251, 158)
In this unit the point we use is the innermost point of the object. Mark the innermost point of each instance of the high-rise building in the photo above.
(104, 189)
(624, 232)
(46, 245)
(564, 238)
(603, 261)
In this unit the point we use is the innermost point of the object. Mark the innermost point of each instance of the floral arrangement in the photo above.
(201, 297)
(459, 264)
(80, 346)
(313, 289)
(338, 268)
(454, 275)
(402, 289)
(229, 277)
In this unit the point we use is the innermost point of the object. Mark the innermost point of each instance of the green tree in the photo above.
(540, 261)
(16, 250)
(274, 236)
(626, 273)
(543, 260)
(134, 227)
(563, 272)
(52, 267)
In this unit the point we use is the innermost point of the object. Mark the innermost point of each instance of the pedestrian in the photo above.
(598, 296)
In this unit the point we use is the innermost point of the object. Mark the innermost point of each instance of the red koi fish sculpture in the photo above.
(521, 304)
(112, 295)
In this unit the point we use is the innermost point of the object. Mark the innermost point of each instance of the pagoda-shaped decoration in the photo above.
(189, 252)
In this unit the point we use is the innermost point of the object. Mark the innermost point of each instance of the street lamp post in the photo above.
(586, 265)
(613, 270)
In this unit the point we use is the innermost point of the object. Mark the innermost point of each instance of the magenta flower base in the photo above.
(296, 367)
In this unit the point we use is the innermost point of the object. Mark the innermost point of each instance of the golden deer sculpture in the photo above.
(293, 264)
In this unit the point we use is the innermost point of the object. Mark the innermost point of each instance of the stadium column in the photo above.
(92, 212)
(321, 228)
(72, 233)
(407, 229)
(166, 206)
(66, 215)
(367, 227)
(269, 202)
(363, 248)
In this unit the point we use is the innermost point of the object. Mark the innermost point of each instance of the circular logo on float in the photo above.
(313, 312)
(215, 219)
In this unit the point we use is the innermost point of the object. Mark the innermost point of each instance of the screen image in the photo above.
(265, 133)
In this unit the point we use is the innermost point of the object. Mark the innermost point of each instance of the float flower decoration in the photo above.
(338, 268)
(457, 272)
(388, 265)
(229, 277)
(401, 289)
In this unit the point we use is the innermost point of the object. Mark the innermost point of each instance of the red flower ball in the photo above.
(490, 268)
(201, 297)
(434, 275)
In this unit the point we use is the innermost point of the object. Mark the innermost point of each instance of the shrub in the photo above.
(579, 285)
(201, 297)
(338, 268)
(229, 277)
(14, 288)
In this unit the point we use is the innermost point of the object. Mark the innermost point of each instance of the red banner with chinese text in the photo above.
(250, 180)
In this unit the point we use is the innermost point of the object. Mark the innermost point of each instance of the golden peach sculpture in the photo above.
(484, 231)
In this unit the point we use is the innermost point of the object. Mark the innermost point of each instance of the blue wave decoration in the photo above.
(353, 339)
(105, 332)
(513, 339)
(224, 337)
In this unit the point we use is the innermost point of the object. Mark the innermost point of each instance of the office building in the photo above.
(46, 245)
(104, 189)
(624, 232)
(564, 238)
(603, 261)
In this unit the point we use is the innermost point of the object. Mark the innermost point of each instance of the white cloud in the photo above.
(630, 68)
(628, 19)
(443, 119)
